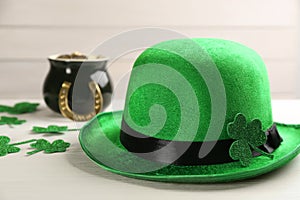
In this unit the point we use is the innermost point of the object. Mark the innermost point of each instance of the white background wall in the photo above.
(30, 30)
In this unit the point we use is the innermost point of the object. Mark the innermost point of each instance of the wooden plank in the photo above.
(25, 79)
(19, 43)
(149, 13)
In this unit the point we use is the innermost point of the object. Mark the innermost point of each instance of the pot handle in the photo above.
(66, 111)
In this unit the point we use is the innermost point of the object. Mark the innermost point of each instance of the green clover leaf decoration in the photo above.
(39, 145)
(247, 136)
(49, 129)
(6, 148)
(24, 107)
(20, 108)
(47, 147)
(11, 121)
(58, 146)
(4, 108)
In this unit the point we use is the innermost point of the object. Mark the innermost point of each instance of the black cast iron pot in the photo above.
(77, 88)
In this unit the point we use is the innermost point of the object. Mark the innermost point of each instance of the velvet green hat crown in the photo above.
(242, 71)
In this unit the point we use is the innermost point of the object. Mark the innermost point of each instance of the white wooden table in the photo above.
(71, 175)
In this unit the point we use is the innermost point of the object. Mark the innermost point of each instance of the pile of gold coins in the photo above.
(75, 55)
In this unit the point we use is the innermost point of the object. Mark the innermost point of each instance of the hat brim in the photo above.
(99, 139)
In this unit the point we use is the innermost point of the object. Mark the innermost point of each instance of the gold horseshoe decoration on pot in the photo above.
(66, 111)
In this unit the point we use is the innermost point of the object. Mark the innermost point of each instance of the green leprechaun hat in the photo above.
(196, 110)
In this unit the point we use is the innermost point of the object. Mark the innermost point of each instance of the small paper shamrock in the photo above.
(11, 120)
(4, 108)
(6, 148)
(51, 129)
(19, 108)
(247, 136)
(47, 147)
